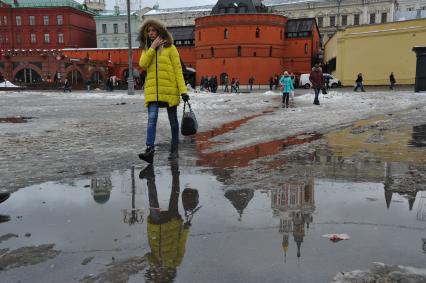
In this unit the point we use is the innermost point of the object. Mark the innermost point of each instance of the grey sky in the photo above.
(162, 3)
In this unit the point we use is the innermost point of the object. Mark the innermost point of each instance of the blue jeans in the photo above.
(317, 91)
(152, 123)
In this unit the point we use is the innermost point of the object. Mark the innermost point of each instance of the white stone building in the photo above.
(178, 16)
(112, 28)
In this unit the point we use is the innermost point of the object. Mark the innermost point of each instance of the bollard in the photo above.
(420, 83)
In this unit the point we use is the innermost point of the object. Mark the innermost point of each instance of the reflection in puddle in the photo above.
(418, 136)
(294, 204)
(236, 233)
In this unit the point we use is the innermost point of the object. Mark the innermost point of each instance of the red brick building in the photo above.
(45, 24)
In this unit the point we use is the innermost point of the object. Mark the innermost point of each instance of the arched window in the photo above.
(239, 51)
(212, 51)
(225, 34)
(281, 34)
(254, 54)
(270, 51)
(199, 35)
(257, 32)
(306, 48)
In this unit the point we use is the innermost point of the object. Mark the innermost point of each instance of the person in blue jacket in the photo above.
(287, 86)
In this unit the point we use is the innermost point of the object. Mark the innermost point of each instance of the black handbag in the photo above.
(189, 125)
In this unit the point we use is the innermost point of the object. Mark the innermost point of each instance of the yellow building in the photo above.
(376, 51)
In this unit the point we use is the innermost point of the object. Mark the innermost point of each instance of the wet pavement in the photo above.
(107, 227)
(256, 212)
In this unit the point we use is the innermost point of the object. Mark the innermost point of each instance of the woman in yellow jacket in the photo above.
(164, 83)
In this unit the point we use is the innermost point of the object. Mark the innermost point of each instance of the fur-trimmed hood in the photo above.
(161, 29)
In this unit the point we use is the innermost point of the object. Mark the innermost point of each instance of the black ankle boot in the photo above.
(148, 155)
(147, 173)
(174, 152)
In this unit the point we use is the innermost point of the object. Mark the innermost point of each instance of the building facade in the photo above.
(45, 24)
(112, 29)
(376, 51)
(333, 15)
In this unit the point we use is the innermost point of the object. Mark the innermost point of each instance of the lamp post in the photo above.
(130, 82)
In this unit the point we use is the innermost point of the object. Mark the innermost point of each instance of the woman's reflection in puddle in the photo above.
(167, 231)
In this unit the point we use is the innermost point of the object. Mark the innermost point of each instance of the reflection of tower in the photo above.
(294, 204)
(421, 212)
(101, 189)
(240, 199)
(97, 5)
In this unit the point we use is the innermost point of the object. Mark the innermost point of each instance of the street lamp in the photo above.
(130, 82)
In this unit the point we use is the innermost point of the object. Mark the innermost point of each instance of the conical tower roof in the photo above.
(240, 199)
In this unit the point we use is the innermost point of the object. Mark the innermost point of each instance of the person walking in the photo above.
(287, 87)
(225, 83)
(392, 81)
(317, 80)
(251, 81)
(164, 84)
(358, 83)
(271, 83)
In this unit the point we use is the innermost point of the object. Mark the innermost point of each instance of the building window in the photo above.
(239, 51)
(212, 51)
(344, 20)
(281, 34)
(257, 32)
(46, 20)
(199, 35)
(46, 38)
(104, 28)
(60, 20)
(33, 38)
(32, 21)
(115, 28)
(306, 48)
(332, 21)
(372, 18)
(410, 9)
(356, 19)
(254, 54)
(5, 20)
(270, 51)
(60, 38)
(384, 17)
(126, 30)
(18, 38)
(18, 20)
(225, 34)
(1, 39)
(0, 21)
(320, 22)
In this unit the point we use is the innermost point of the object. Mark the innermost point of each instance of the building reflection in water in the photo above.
(101, 188)
(294, 204)
(240, 199)
(166, 229)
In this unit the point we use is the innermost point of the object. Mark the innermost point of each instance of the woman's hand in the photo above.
(185, 97)
(157, 42)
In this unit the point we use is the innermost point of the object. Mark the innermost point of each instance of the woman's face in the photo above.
(152, 33)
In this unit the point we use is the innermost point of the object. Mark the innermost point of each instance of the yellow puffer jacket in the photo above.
(169, 75)
(167, 242)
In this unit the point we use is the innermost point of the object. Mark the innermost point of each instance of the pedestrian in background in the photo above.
(358, 83)
(251, 81)
(392, 81)
(164, 83)
(287, 87)
(317, 80)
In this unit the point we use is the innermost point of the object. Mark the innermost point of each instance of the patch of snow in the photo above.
(8, 84)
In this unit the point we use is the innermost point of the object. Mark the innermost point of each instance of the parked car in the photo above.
(332, 83)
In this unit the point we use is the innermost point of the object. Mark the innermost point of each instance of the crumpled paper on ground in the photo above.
(337, 237)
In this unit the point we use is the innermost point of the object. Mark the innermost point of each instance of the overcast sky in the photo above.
(162, 3)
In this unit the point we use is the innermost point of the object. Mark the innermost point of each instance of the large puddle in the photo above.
(274, 234)
(183, 224)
